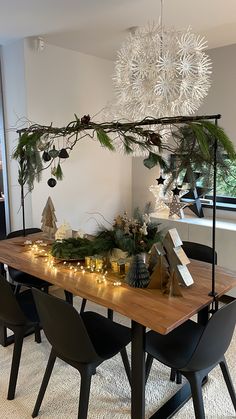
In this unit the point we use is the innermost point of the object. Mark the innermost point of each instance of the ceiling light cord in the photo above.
(161, 25)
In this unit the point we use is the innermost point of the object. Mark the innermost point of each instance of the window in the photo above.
(225, 190)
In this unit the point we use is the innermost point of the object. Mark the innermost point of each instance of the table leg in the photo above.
(203, 316)
(3, 335)
(138, 371)
(173, 405)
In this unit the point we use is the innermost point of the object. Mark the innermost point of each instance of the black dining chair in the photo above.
(194, 251)
(199, 251)
(84, 341)
(17, 313)
(23, 279)
(195, 350)
(20, 278)
(203, 253)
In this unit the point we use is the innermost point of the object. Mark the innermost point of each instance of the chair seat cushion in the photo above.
(26, 279)
(108, 337)
(176, 348)
(27, 305)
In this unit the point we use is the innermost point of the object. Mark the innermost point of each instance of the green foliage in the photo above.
(104, 242)
(58, 172)
(195, 151)
(226, 184)
(30, 162)
(104, 139)
(193, 144)
(153, 160)
(73, 248)
(107, 240)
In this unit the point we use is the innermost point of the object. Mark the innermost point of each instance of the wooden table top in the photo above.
(146, 306)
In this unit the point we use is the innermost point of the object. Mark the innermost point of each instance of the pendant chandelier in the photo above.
(160, 72)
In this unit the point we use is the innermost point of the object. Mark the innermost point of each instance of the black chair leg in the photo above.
(19, 336)
(175, 376)
(37, 334)
(84, 394)
(110, 313)
(195, 381)
(83, 304)
(46, 377)
(172, 374)
(69, 297)
(149, 362)
(3, 335)
(126, 363)
(46, 289)
(178, 377)
(228, 381)
(17, 289)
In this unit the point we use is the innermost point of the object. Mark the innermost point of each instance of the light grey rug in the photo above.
(110, 392)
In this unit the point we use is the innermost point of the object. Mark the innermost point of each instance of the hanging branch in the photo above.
(193, 144)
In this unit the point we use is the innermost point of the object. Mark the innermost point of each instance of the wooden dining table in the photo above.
(147, 308)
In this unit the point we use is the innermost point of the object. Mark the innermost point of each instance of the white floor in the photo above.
(110, 392)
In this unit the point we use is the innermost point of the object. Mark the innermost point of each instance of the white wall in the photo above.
(15, 107)
(59, 83)
(142, 178)
(222, 94)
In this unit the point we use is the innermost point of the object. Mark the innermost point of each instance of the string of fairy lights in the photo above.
(40, 249)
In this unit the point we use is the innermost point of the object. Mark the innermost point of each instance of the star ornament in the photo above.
(176, 207)
(160, 180)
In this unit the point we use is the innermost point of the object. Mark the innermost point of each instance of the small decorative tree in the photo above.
(138, 275)
(49, 219)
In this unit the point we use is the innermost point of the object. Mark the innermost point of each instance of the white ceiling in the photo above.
(98, 27)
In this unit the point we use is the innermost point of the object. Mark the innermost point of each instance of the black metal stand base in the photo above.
(174, 404)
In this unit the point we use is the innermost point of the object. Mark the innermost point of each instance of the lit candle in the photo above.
(116, 283)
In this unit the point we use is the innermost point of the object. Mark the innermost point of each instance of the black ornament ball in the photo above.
(52, 182)
(46, 156)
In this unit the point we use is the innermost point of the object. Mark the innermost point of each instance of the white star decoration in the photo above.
(176, 207)
(162, 196)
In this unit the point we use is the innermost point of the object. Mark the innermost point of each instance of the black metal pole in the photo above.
(23, 208)
(213, 292)
(22, 195)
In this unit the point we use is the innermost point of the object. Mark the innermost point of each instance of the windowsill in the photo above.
(204, 222)
(221, 206)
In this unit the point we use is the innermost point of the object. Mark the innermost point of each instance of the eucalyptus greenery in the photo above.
(193, 140)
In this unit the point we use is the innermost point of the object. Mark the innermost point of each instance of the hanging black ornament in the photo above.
(63, 154)
(176, 190)
(160, 180)
(46, 156)
(52, 182)
(54, 153)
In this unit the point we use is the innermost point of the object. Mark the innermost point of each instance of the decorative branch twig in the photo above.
(193, 140)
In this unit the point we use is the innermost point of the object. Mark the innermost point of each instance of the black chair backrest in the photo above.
(64, 328)
(199, 251)
(215, 339)
(10, 311)
(19, 233)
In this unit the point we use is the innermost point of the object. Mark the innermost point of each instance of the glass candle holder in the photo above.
(98, 263)
(88, 261)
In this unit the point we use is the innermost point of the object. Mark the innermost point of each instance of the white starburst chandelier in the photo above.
(160, 72)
